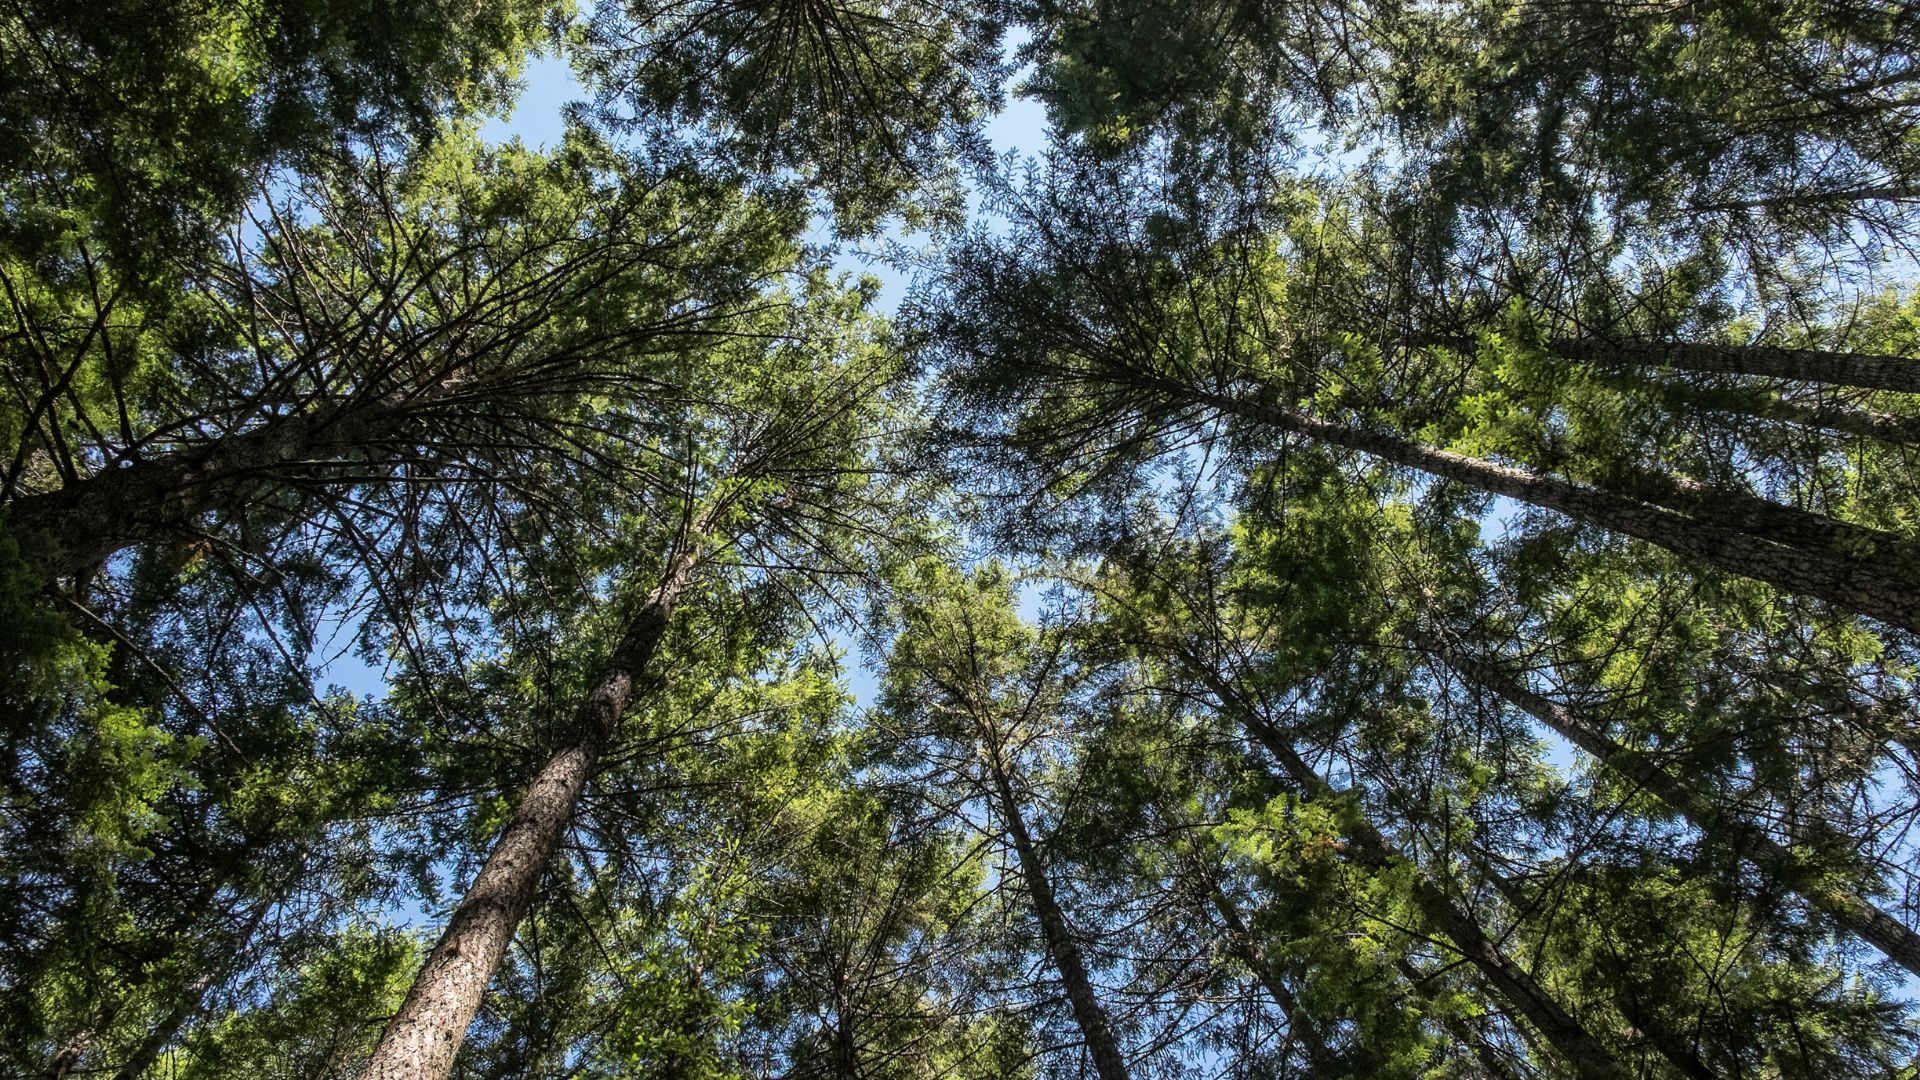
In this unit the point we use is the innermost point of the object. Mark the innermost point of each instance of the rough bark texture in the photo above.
(1087, 1013)
(1365, 845)
(1792, 559)
(1865, 370)
(1848, 908)
(420, 1042)
(90, 520)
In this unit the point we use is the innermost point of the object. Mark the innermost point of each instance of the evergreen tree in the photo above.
(1385, 548)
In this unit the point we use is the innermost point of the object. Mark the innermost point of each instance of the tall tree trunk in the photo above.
(420, 1042)
(1846, 907)
(1241, 939)
(1653, 1031)
(88, 521)
(1366, 846)
(1491, 1063)
(1087, 1013)
(1866, 370)
(1762, 404)
(1319, 1056)
(1834, 197)
(1743, 512)
(1795, 560)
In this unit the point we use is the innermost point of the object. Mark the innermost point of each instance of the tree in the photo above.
(869, 101)
(1084, 343)
(1412, 569)
(432, 318)
(135, 132)
(769, 473)
(959, 658)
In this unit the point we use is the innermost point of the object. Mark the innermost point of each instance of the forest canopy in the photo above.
(1382, 541)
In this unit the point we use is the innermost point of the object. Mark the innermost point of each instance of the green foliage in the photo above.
(866, 101)
(141, 126)
(1358, 551)
(313, 1020)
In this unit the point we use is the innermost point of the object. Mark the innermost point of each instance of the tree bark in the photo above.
(420, 1042)
(1795, 560)
(1858, 915)
(1768, 520)
(1866, 370)
(89, 521)
(1585, 1054)
(1108, 1063)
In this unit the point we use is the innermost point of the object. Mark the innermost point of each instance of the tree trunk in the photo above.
(1846, 907)
(1588, 1058)
(1794, 560)
(1761, 404)
(1768, 520)
(420, 1042)
(88, 521)
(1836, 197)
(1491, 1063)
(1866, 370)
(1087, 1013)
(1319, 1056)
(1241, 939)
(1651, 1030)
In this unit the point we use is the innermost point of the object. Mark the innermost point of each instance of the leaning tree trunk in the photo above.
(1241, 940)
(1319, 1056)
(88, 521)
(1797, 560)
(1653, 1031)
(420, 1042)
(1491, 1063)
(1366, 846)
(1797, 199)
(1087, 1013)
(1865, 370)
(1762, 404)
(1848, 908)
(1740, 511)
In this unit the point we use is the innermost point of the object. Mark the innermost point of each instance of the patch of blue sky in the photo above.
(538, 116)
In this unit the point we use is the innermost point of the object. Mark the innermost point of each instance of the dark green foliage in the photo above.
(868, 102)
(1389, 548)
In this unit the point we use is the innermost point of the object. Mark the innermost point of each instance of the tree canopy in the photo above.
(1382, 540)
